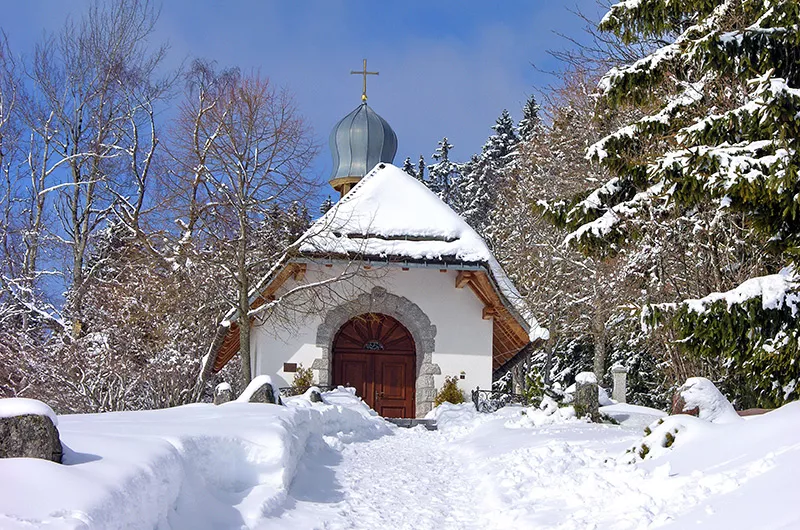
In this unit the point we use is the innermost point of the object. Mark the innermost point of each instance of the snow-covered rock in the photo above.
(222, 393)
(28, 430)
(260, 390)
(197, 466)
(10, 407)
(698, 393)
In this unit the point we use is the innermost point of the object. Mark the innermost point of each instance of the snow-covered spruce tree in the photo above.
(531, 122)
(443, 173)
(484, 176)
(720, 135)
(409, 167)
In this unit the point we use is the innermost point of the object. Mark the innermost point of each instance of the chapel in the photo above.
(406, 292)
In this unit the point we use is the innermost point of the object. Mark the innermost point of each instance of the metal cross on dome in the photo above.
(365, 74)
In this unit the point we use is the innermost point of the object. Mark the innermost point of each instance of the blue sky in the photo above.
(446, 67)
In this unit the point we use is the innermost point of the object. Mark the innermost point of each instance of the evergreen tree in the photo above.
(719, 136)
(421, 169)
(531, 122)
(443, 173)
(484, 176)
(409, 168)
(326, 205)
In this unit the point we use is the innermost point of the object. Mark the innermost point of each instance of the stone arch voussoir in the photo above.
(379, 300)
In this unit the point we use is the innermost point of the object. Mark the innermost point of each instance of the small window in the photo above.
(373, 345)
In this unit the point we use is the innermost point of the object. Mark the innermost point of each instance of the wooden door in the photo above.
(375, 354)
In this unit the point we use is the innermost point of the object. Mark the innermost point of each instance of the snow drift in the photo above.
(191, 467)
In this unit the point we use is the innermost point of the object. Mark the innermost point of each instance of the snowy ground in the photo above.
(339, 466)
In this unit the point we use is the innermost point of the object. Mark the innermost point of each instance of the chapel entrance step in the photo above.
(413, 422)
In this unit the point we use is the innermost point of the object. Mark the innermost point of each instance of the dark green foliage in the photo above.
(450, 393)
(605, 418)
(759, 347)
(720, 134)
(303, 379)
(669, 439)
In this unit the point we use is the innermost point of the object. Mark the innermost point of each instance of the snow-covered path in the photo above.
(412, 478)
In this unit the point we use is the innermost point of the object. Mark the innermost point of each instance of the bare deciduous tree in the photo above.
(243, 148)
(93, 90)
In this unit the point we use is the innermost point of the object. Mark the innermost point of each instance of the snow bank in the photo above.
(569, 474)
(700, 393)
(343, 414)
(449, 416)
(727, 463)
(198, 466)
(548, 413)
(10, 407)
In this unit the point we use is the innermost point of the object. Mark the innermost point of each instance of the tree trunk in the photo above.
(548, 350)
(244, 349)
(599, 335)
(244, 303)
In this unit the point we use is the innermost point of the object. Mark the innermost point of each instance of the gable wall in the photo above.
(463, 340)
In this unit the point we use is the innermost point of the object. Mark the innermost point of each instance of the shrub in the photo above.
(303, 379)
(449, 393)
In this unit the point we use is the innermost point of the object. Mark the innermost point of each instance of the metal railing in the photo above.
(492, 400)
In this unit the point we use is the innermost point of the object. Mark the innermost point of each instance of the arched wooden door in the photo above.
(375, 354)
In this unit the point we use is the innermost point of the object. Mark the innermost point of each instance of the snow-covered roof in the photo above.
(391, 215)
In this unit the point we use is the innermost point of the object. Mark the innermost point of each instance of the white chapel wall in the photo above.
(463, 339)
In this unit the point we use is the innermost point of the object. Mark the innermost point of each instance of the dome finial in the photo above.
(365, 74)
(359, 141)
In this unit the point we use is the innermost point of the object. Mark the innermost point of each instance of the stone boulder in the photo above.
(28, 430)
(586, 399)
(261, 390)
(222, 393)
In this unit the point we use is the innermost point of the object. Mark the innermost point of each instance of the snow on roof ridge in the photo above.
(388, 204)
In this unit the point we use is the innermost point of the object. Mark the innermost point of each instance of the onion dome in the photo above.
(359, 142)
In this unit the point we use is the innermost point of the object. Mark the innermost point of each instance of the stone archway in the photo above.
(406, 312)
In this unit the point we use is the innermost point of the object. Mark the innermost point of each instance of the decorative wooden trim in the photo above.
(463, 278)
(299, 272)
(489, 312)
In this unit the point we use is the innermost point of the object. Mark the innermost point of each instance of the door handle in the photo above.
(378, 395)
